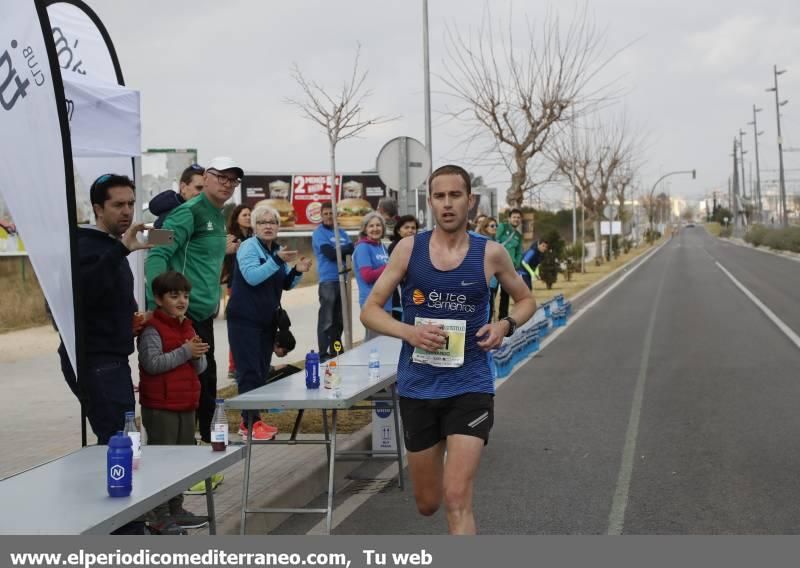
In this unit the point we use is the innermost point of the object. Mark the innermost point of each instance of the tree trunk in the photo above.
(347, 323)
(515, 195)
(598, 240)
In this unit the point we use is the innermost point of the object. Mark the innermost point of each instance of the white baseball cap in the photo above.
(222, 163)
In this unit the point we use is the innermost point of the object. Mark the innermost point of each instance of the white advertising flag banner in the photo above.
(84, 52)
(33, 180)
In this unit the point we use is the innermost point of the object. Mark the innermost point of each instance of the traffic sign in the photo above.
(403, 165)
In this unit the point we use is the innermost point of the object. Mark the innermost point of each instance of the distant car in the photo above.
(689, 225)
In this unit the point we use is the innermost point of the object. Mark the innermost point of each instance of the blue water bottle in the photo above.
(119, 465)
(312, 370)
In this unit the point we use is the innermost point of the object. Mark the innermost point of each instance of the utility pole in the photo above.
(756, 134)
(736, 199)
(427, 84)
(782, 180)
(741, 155)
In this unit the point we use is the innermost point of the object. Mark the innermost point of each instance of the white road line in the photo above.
(616, 518)
(793, 337)
(352, 503)
(553, 335)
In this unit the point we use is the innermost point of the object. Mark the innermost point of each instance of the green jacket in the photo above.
(197, 251)
(511, 239)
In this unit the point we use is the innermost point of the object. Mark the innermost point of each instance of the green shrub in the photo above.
(548, 269)
(756, 235)
(651, 235)
(574, 252)
(783, 239)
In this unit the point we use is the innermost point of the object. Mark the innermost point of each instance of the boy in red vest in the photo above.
(171, 356)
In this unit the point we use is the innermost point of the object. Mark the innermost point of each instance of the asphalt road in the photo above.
(668, 407)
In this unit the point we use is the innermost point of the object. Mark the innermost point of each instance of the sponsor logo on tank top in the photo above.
(451, 301)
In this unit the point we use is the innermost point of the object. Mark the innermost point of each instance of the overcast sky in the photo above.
(215, 75)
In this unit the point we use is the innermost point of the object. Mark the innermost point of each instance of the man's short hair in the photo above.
(544, 242)
(171, 281)
(389, 206)
(327, 205)
(515, 210)
(98, 193)
(450, 169)
(190, 172)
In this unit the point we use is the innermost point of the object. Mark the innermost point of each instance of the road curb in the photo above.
(788, 255)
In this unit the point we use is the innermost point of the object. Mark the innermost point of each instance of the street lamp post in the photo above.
(427, 88)
(756, 134)
(782, 181)
(653, 191)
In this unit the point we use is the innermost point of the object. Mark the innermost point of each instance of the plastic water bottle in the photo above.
(312, 370)
(119, 465)
(219, 428)
(132, 432)
(374, 365)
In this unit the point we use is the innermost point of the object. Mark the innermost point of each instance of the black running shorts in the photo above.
(428, 421)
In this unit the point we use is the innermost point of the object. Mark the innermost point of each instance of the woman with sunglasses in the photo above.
(239, 229)
(260, 275)
(488, 228)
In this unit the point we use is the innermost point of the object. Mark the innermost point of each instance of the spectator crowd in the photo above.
(209, 256)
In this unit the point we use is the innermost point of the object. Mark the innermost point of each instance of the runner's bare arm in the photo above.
(499, 262)
(373, 315)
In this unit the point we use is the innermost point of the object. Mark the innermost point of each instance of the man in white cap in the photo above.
(197, 251)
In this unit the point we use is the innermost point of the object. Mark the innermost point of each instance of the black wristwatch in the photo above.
(512, 325)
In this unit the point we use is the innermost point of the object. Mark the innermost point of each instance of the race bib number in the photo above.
(451, 353)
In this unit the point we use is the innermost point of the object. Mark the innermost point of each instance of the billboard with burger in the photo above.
(298, 198)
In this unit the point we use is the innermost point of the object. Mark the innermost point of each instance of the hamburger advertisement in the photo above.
(298, 198)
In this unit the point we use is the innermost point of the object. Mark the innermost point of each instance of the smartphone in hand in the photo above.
(159, 237)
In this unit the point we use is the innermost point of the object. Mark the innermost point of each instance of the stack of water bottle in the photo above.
(124, 453)
(526, 340)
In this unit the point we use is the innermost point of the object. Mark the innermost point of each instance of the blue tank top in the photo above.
(458, 294)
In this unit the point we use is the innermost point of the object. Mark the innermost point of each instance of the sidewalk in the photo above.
(39, 416)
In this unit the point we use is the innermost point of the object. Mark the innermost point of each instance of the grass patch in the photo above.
(714, 229)
(347, 422)
(21, 302)
(581, 281)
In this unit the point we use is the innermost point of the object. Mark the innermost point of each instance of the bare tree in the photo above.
(340, 116)
(594, 161)
(514, 95)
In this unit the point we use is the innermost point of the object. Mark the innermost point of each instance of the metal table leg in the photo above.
(246, 482)
(398, 436)
(327, 436)
(331, 472)
(212, 516)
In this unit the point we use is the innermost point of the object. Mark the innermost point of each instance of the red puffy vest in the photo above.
(177, 390)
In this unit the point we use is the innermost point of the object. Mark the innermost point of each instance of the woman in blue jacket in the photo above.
(260, 275)
(369, 260)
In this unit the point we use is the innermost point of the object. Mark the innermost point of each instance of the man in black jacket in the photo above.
(190, 185)
(108, 307)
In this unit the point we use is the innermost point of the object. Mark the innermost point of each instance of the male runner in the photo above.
(443, 376)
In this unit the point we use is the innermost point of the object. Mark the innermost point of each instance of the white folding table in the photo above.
(68, 495)
(356, 387)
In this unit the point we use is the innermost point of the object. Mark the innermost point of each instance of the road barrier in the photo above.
(527, 340)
